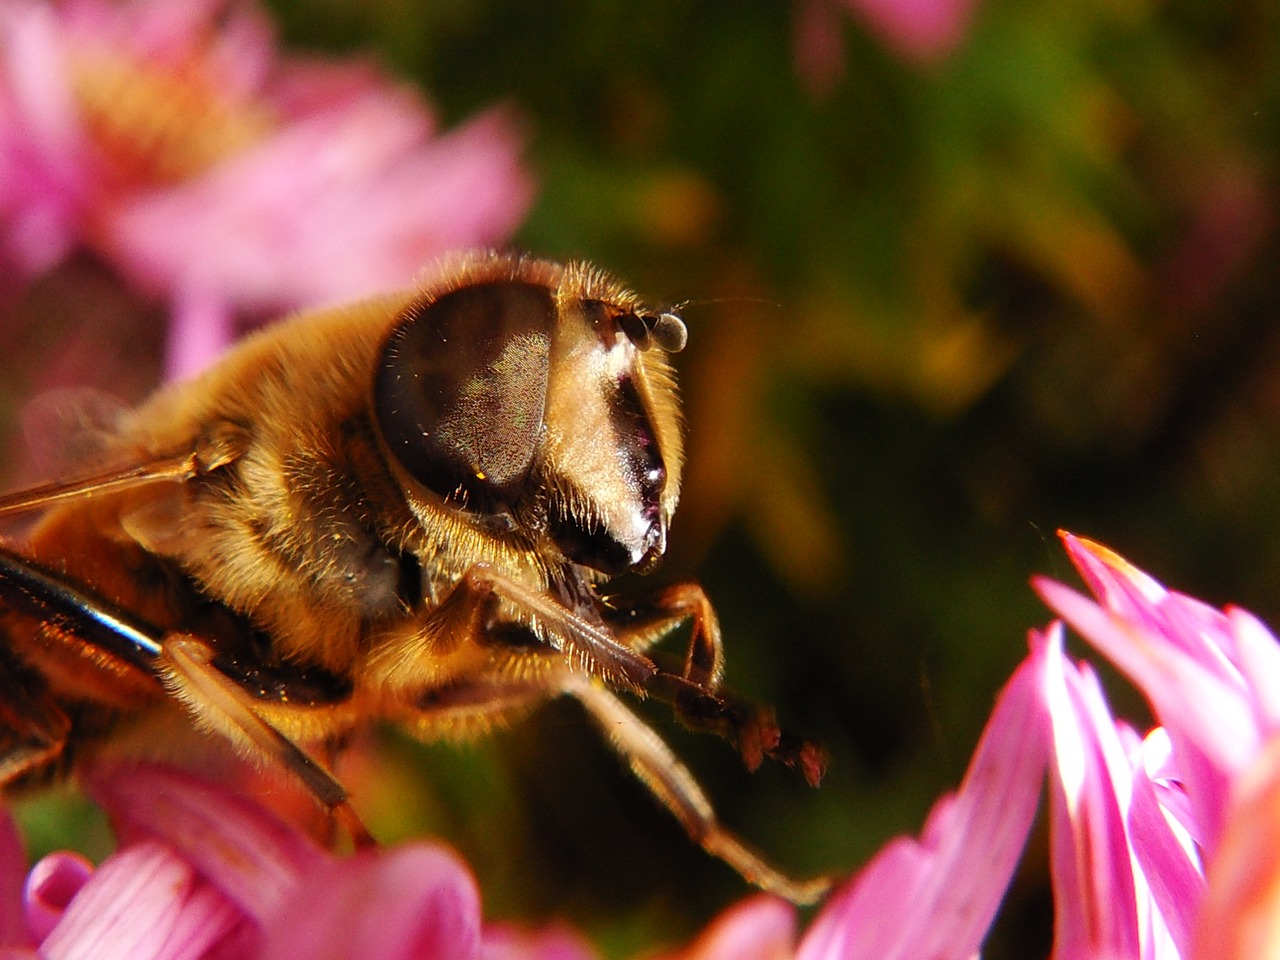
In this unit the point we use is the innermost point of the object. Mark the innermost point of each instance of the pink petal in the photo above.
(1118, 584)
(338, 205)
(252, 857)
(1166, 780)
(1257, 654)
(201, 329)
(143, 902)
(42, 148)
(936, 897)
(760, 928)
(51, 886)
(1093, 881)
(1191, 699)
(415, 901)
(502, 942)
(1170, 864)
(1183, 622)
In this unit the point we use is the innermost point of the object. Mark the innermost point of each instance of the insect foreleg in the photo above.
(641, 625)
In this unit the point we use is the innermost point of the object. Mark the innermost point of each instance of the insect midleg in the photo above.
(181, 662)
(657, 767)
(463, 612)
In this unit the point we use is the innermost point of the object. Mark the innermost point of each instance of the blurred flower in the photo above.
(172, 140)
(201, 872)
(919, 31)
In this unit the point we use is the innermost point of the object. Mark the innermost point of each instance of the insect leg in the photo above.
(643, 624)
(695, 692)
(752, 729)
(181, 662)
(670, 782)
(606, 651)
(186, 666)
(470, 609)
(220, 446)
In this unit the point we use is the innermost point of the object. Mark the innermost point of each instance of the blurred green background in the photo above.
(942, 307)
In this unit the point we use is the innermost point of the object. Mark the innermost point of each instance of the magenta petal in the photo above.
(1209, 719)
(1118, 585)
(1191, 698)
(865, 918)
(41, 148)
(1096, 910)
(936, 897)
(51, 886)
(255, 859)
(143, 902)
(412, 902)
(350, 201)
(1169, 864)
(1182, 622)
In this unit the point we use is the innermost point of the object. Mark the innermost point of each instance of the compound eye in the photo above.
(460, 391)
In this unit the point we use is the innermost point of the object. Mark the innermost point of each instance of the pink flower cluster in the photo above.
(202, 873)
(1133, 822)
(171, 139)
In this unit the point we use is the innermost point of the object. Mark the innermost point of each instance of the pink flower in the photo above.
(203, 873)
(758, 928)
(1133, 819)
(918, 31)
(1126, 877)
(1212, 676)
(1136, 820)
(170, 138)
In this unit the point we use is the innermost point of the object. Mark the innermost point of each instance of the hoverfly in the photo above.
(401, 510)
